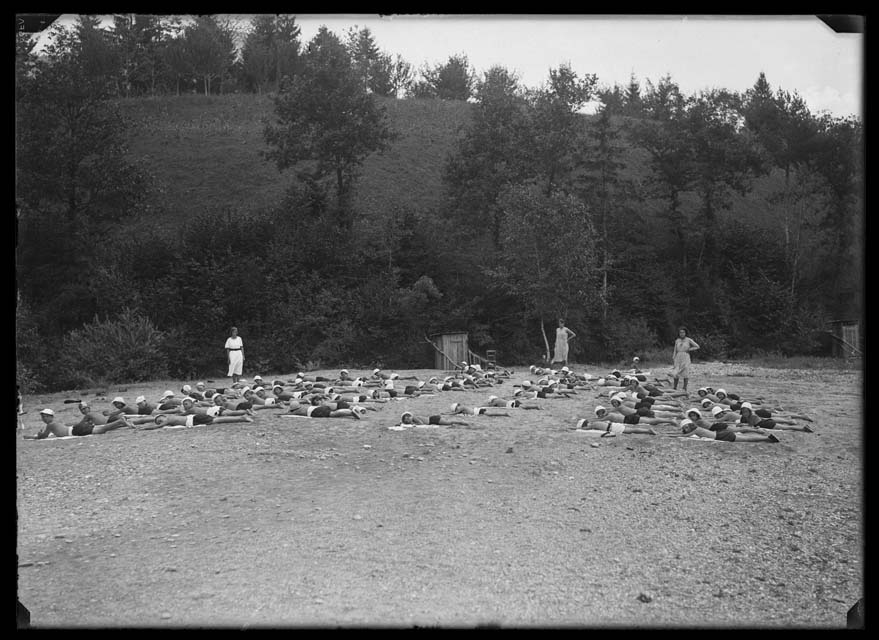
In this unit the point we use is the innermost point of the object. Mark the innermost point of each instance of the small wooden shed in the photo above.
(847, 338)
(451, 349)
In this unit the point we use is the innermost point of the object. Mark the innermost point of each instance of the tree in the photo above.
(364, 54)
(556, 124)
(663, 134)
(548, 254)
(209, 47)
(452, 80)
(632, 99)
(326, 122)
(137, 40)
(70, 139)
(603, 185)
(488, 156)
(723, 161)
(270, 51)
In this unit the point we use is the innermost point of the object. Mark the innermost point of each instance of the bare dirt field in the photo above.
(515, 521)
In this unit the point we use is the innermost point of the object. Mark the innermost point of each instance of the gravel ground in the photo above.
(515, 521)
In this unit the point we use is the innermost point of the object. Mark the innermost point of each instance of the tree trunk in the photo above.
(545, 342)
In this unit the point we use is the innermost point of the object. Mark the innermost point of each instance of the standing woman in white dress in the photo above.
(562, 335)
(235, 354)
(681, 357)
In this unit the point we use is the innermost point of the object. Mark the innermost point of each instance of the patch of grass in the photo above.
(205, 153)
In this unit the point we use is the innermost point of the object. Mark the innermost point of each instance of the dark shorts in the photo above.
(481, 410)
(82, 429)
(434, 419)
(646, 413)
(168, 405)
(726, 435)
(144, 411)
(541, 394)
(644, 403)
(735, 406)
(244, 405)
(410, 390)
(322, 411)
(766, 424)
(633, 419)
(763, 413)
(733, 396)
(392, 393)
(202, 418)
(656, 393)
(341, 404)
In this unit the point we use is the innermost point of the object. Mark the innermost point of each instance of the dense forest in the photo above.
(339, 207)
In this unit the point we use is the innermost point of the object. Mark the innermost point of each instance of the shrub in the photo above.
(625, 337)
(126, 349)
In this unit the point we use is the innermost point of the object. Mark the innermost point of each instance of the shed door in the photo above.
(850, 335)
(458, 347)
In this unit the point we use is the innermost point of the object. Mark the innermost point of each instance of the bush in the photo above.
(712, 346)
(625, 337)
(127, 349)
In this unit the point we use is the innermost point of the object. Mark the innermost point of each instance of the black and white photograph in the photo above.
(440, 321)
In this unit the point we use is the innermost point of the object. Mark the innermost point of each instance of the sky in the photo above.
(796, 52)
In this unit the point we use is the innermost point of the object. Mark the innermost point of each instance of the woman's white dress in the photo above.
(236, 359)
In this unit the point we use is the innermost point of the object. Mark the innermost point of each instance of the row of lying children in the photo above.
(306, 396)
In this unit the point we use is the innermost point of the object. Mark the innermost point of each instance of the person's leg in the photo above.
(227, 419)
(110, 426)
(755, 437)
(675, 384)
(345, 413)
(142, 420)
(686, 381)
(631, 429)
(791, 426)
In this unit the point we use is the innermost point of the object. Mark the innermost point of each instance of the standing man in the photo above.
(235, 354)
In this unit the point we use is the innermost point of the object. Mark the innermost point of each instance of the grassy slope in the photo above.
(205, 153)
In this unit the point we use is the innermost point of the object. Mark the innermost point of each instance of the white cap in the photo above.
(257, 377)
(685, 422)
(389, 384)
(747, 405)
(694, 409)
(139, 399)
(599, 409)
(186, 388)
(258, 389)
(376, 370)
(48, 412)
(706, 403)
(118, 399)
(600, 381)
(455, 406)
(490, 398)
(636, 359)
(343, 371)
(420, 384)
(406, 413)
(716, 409)
(220, 397)
(188, 399)
(565, 369)
(200, 384)
(581, 422)
(277, 386)
(394, 376)
(245, 389)
(168, 394)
